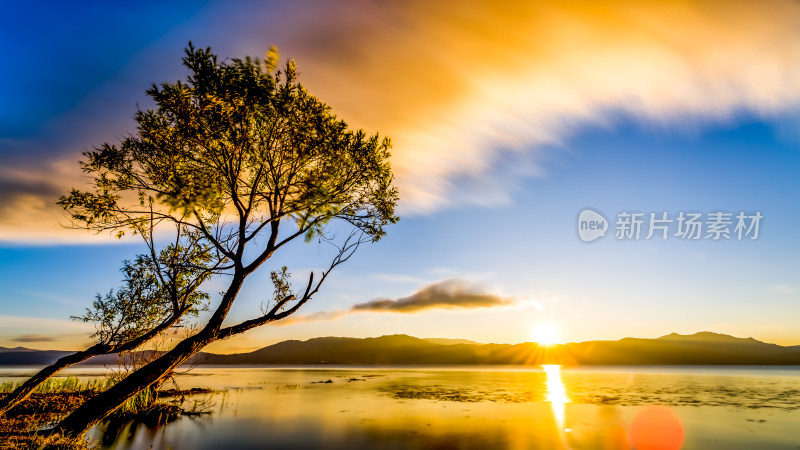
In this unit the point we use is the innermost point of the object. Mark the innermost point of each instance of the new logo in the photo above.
(591, 225)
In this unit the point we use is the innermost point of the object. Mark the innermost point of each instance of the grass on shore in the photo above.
(58, 396)
(62, 385)
(19, 426)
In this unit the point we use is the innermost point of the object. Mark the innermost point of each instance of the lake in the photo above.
(545, 407)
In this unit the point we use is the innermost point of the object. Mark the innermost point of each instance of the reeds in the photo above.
(63, 385)
(141, 402)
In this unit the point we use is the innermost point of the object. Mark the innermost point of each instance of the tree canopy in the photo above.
(242, 140)
(229, 166)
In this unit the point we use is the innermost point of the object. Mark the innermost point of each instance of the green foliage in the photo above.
(282, 287)
(155, 289)
(237, 138)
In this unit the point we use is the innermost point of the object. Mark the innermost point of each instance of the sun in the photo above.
(545, 333)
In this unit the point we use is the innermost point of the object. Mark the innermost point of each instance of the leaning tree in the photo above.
(242, 157)
(160, 291)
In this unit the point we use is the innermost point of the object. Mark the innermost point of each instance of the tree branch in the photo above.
(346, 251)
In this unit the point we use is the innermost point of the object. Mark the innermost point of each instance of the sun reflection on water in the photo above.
(556, 393)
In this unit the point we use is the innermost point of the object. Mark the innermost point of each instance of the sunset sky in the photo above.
(507, 120)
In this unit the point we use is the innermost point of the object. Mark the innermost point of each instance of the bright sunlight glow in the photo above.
(545, 334)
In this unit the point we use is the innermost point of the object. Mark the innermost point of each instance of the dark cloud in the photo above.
(11, 188)
(448, 294)
(33, 338)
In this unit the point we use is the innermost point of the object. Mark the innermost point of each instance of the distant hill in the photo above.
(448, 341)
(703, 348)
(707, 336)
(698, 348)
(29, 357)
(16, 349)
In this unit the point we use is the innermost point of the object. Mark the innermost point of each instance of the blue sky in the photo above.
(492, 175)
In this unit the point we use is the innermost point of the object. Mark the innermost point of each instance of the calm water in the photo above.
(477, 408)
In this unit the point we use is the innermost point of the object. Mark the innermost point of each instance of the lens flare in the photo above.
(657, 428)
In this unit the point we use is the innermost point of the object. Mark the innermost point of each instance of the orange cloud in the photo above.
(461, 85)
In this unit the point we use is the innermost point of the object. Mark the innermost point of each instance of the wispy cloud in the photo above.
(784, 288)
(396, 278)
(33, 338)
(68, 334)
(318, 316)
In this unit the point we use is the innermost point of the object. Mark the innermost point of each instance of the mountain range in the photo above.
(704, 348)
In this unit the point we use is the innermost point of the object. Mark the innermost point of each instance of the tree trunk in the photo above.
(25, 389)
(98, 407)
(101, 405)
